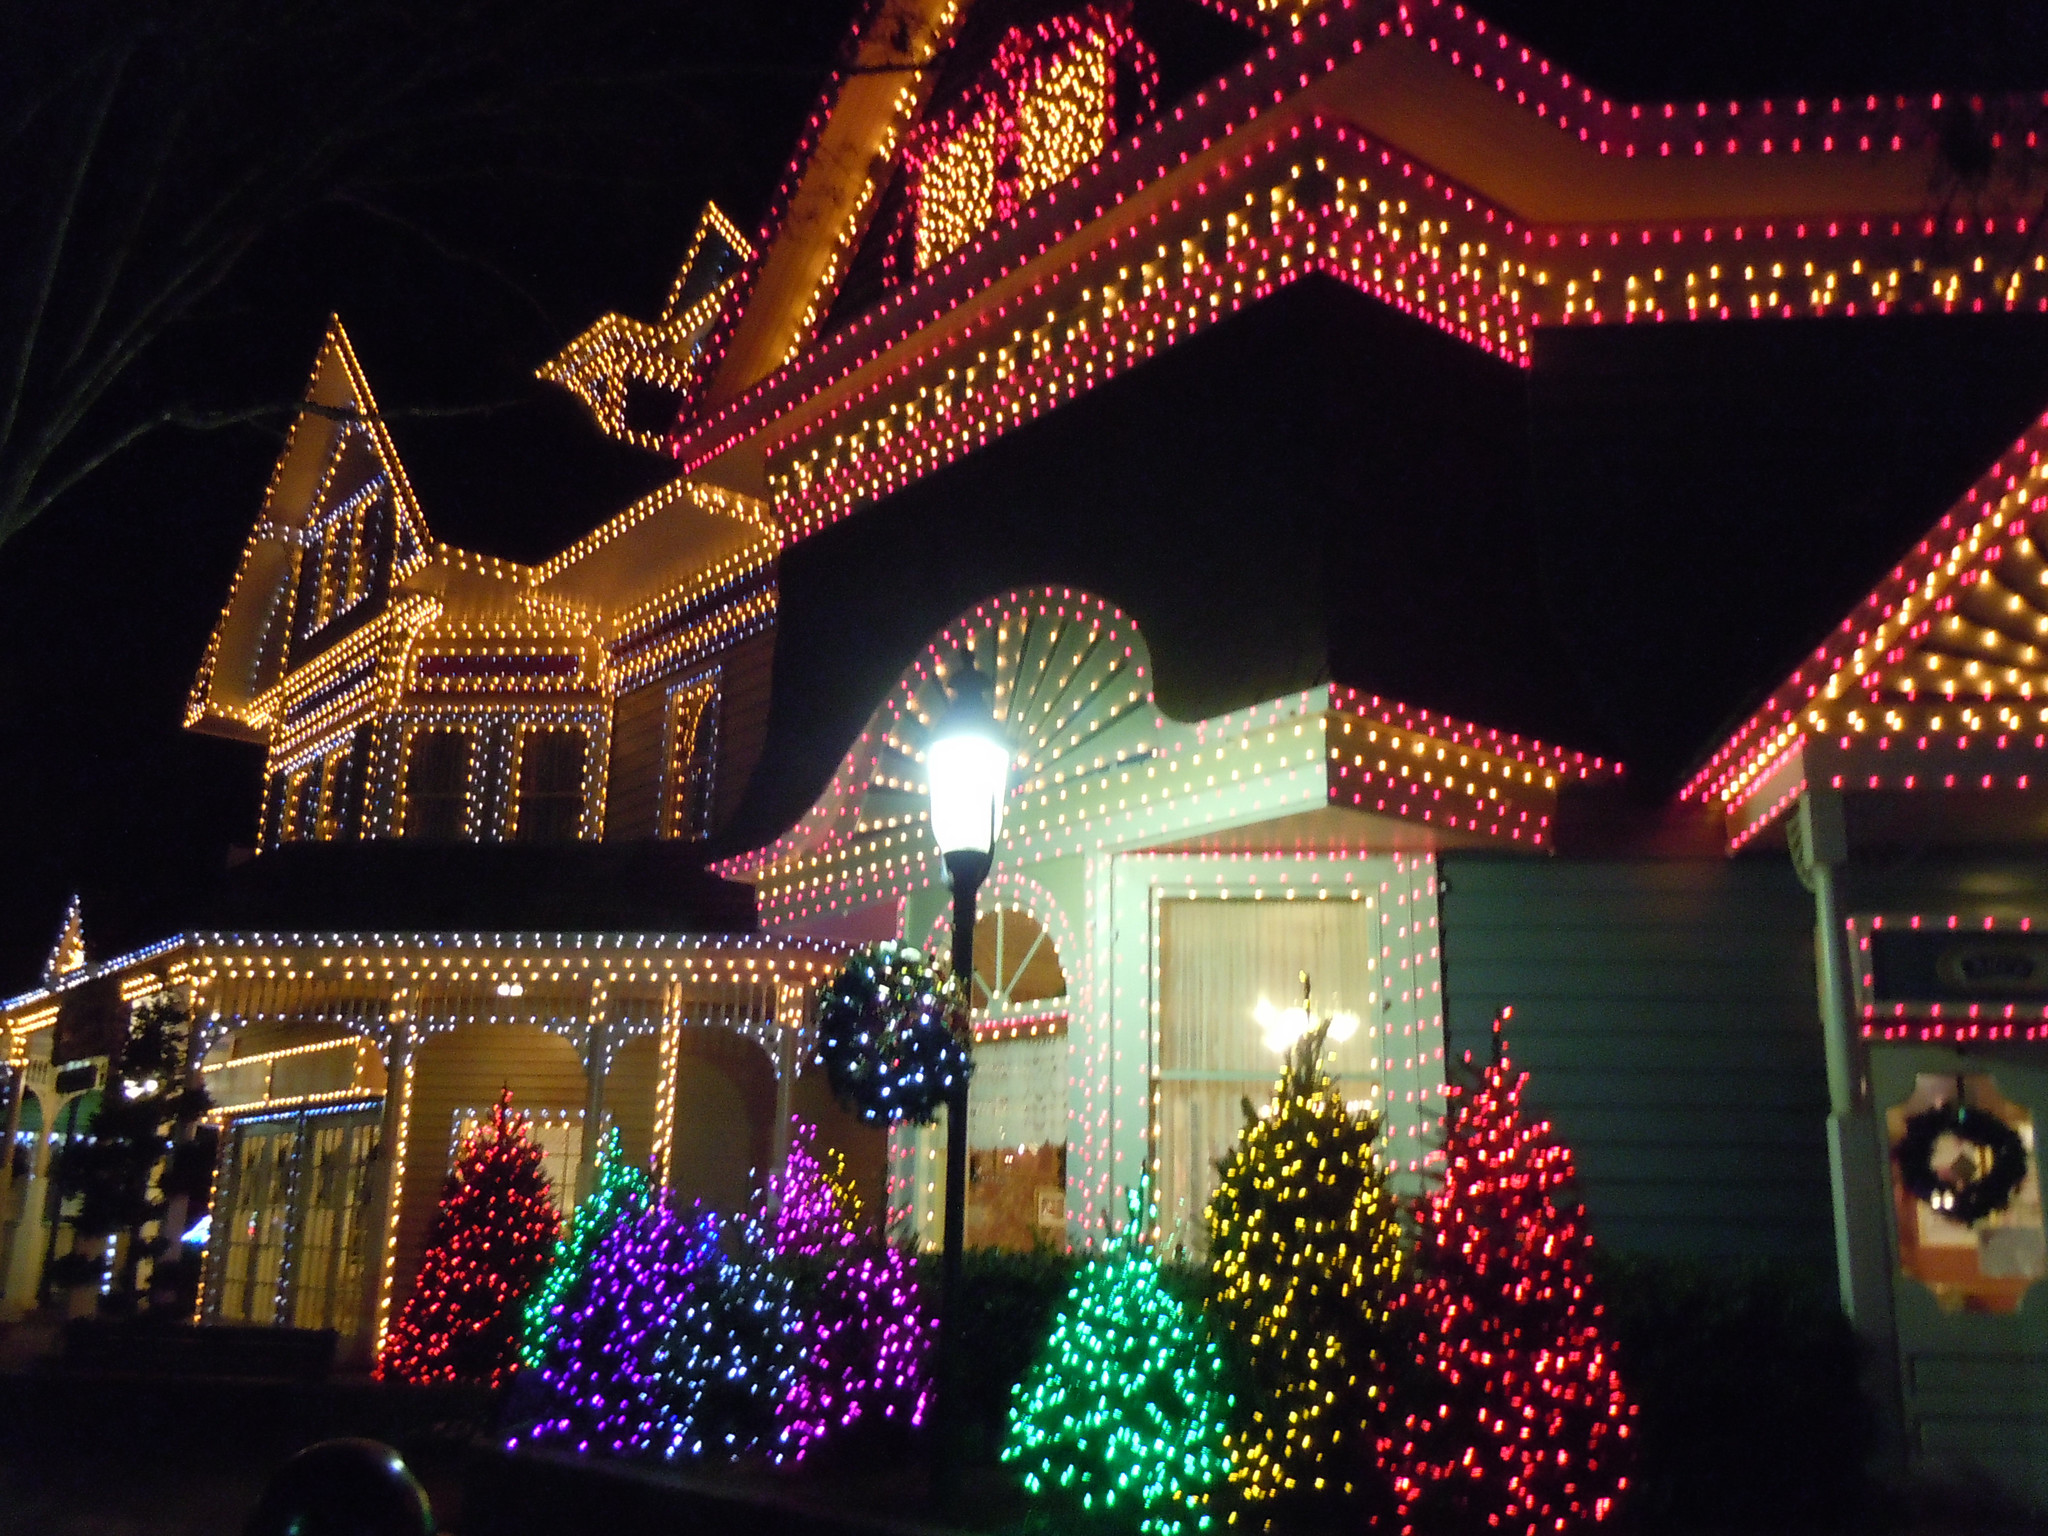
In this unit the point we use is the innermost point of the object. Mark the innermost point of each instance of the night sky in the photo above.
(107, 601)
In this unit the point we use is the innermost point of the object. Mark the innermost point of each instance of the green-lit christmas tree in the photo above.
(1306, 1251)
(1122, 1416)
(622, 1189)
(490, 1245)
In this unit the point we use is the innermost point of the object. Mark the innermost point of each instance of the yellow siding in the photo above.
(466, 1068)
(725, 1108)
(629, 1092)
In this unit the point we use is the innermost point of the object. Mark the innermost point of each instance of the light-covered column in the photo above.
(597, 1063)
(387, 1180)
(17, 1089)
(665, 1086)
(792, 1007)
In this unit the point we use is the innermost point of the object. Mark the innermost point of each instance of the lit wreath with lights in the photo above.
(1967, 1200)
(885, 1035)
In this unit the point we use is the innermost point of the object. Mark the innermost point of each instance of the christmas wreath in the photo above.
(885, 1035)
(1977, 1183)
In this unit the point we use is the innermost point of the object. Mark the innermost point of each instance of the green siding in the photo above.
(1666, 1014)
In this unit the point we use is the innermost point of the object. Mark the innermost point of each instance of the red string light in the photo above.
(491, 1242)
(1522, 1424)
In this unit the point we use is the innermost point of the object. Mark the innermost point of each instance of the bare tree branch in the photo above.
(53, 251)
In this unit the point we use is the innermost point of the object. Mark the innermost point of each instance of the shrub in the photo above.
(1007, 1310)
(1747, 1377)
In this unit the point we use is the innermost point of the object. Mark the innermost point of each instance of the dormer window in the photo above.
(342, 552)
(437, 785)
(1046, 105)
(549, 807)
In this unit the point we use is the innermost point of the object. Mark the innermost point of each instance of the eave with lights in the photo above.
(1930, 686)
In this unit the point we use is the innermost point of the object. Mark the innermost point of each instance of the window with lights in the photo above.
(437, 785)
(551, 764)
(1046, 105)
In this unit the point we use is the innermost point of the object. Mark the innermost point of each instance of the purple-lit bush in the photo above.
(865, 1340)
(598, 1369)
(702, 1336)
(866, 1351)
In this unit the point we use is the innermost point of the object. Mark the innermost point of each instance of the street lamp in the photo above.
(966, 767)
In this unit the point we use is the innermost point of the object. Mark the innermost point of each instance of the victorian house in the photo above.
(1430, 524)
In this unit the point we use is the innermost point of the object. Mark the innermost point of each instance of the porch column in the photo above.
(10, 1226)
(1856, 1169)
(791, 1000)
(387, 1176)
(597, 1063)
(17, 1090)
(665, 1084)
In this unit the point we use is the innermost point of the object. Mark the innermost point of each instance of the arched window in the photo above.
(1014, 962)
(302, 805)
(687, 764)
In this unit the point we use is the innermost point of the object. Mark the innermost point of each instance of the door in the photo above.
(255, 1220)
(1971, 1299)
(329, 1233)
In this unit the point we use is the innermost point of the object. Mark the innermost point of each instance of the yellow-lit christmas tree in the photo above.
(1307, 1253)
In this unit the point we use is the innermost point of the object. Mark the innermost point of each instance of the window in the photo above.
(255, 1222)
(1017, 1114)
(437, 786)
(302, 805)
(1014, 963)
(291, 1234)
(550, 786)
(1986, 1266)
(1218, 959)
(337, 1153)
(1047, 103)
(686, 773)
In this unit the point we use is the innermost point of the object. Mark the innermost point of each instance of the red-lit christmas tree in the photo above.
(491, 1240)
(1519, 1422)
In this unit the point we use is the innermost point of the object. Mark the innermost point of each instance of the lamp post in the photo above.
(966, 767)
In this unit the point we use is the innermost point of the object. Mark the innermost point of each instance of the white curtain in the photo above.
(1018, 1095)
(1217, 960)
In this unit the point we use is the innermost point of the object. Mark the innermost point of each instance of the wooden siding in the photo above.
(725, 1106)
(1666, 1012)
(630, 1091)
(738, 716)
(464, 1068)
(633, 786)
(865, 1147)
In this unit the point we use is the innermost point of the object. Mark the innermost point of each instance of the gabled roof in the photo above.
(68, 953)
(830, 190)
(1937, 679)
(337, 445)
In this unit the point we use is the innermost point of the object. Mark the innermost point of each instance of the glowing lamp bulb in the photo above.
(967, 766)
